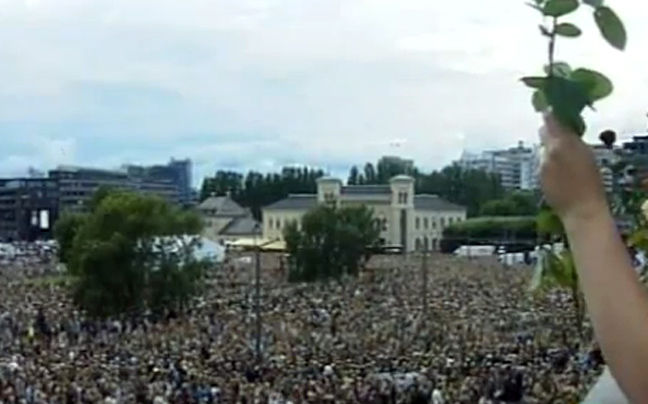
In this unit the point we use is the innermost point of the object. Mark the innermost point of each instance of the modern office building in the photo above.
(77, 185)
(177, 172)
(409, 221)
(29, 207)
(517, 167)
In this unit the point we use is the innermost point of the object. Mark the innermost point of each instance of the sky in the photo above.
(259, 84)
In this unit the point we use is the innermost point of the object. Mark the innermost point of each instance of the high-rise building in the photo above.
(178, 172)
(517, 167)
(77, 185)
(28, 208)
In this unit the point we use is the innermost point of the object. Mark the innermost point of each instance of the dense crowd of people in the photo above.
(471, 333)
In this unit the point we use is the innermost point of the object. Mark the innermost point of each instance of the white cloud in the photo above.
(319, 82)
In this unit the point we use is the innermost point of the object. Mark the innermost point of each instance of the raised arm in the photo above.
(616, 300)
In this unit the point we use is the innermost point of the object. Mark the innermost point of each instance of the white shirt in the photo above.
(606, 391)
(437, 397)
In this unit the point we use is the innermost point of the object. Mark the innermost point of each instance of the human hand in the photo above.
(570, 178)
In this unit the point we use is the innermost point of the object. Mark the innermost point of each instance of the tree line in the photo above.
(254, 190)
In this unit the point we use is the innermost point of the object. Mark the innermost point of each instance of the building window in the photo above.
(418, 244)
(433, 223)
(450, 220)
(270, 223)
(418, 223)
(402, 198)
(442, 222)
(329, 198)
(384, 224)
(425, 223)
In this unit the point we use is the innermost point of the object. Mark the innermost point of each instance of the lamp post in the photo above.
(257, 296)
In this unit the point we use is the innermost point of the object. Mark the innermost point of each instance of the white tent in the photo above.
(209, 250)
(203, 248)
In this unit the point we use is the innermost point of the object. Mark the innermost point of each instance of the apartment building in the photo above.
(517, 167)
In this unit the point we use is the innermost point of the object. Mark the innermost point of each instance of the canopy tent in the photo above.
(203, 249)
(257, 242)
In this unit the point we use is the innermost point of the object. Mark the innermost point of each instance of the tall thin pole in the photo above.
(257, 303)
(425, 269)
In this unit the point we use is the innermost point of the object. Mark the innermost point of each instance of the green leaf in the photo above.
(611, 27)
(593, 3)
(560, 69)
(597, 85)
(539, 101)
(567, 98)
(558, 8)
(568, 29)
(548, 223)
(534, 82)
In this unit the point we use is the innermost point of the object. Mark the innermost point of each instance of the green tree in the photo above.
(489, 230)
(134, 252)
(499, 207)
(331, 243)
(354, 176)
(517, 203)
(65, 230)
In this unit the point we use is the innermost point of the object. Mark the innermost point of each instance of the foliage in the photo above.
(256, 190)
(515, 204)
(559, 271)
(65, 230)
(488, 230)
(98, 196)
(132, 253)
(565, 90)
(548, 224)
(330, 243)
(470, 188)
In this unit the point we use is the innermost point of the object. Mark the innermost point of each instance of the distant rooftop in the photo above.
(295, 202)
(365, 190)
(434, 202)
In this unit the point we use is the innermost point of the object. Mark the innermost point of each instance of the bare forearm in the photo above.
(616, 300)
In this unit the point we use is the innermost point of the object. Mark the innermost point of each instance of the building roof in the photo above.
(402, 177)
(434, 202)
(223, 205)
(328, 179)
(295, 202)
(241, 226)
(366, 190)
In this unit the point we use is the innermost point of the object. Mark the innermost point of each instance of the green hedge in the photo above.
(489, 230)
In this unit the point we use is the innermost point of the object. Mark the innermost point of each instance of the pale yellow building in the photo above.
(406, 219)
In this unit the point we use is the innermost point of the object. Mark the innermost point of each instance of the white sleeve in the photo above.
(606, 391)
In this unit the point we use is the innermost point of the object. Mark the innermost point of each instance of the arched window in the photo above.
(419, 246)
(426, 243)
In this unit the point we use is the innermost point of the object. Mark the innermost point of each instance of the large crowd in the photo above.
(471, 333)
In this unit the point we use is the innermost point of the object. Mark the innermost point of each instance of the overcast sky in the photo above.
(262, 83)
